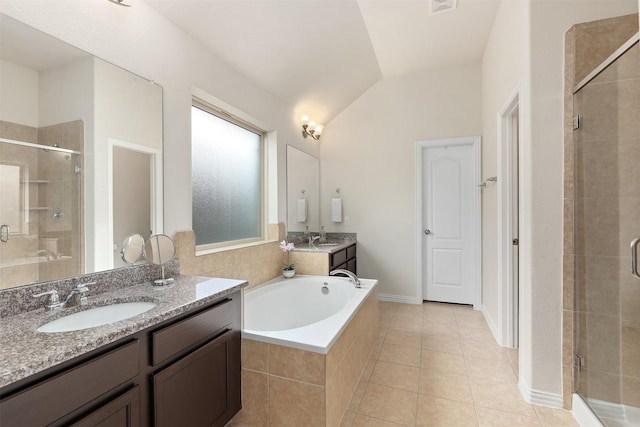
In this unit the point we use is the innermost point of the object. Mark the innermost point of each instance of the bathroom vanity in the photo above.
(319, 259)
(176, 364)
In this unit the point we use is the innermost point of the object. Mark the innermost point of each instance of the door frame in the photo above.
(156, 200)
(476, 143)
(508, 301)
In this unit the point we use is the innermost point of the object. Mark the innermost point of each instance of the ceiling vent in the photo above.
(438, 6)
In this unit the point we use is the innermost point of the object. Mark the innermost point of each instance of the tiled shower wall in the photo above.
(61, 236)
(597, 298)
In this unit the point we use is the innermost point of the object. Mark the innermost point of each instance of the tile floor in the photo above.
(439, 365)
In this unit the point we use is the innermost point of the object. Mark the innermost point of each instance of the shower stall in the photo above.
(606, 227)
(40, 204)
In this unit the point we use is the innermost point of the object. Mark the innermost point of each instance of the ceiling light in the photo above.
(311, 128)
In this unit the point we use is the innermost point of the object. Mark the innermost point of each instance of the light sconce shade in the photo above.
(311, 128)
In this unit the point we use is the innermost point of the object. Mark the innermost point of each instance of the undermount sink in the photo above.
(327, 244)
(96, 317)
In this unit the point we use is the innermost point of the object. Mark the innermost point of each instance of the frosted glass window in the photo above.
(227, 180)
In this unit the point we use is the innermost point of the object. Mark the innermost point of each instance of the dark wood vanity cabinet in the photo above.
(182, 372)
(344, 258)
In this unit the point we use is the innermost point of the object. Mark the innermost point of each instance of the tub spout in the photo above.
(352, 277)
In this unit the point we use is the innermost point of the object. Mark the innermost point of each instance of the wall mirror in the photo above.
(303, 191)
(80, 158)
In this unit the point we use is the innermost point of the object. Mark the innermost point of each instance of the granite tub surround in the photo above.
(25, 352)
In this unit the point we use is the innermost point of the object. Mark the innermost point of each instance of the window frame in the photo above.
(207, 107)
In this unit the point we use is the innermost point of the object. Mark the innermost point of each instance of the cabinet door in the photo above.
(199, 389)
(123, 411)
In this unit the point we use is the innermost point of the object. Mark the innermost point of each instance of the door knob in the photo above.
(427, 231)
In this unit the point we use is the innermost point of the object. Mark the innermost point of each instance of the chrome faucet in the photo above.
(77, 296)
(313, 239)
(352, 277)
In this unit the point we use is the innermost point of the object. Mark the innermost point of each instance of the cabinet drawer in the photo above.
(180, 336)
(338, 258)
(351, 251)
(123, 411)
(51, 399)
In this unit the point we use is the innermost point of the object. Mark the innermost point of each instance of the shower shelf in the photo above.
(35, 181)
(43, 208)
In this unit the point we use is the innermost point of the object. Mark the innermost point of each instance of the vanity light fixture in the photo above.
(120, 3)
(311, 128)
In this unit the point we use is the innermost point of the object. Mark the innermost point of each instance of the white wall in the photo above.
(142, 41)
(541, 234)
(368, 151)
(19, 93)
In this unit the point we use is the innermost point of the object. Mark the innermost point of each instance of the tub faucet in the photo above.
(352, 277)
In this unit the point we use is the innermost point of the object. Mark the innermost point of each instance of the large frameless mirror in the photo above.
(80, 158)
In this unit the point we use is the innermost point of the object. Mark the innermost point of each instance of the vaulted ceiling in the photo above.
(321, 55)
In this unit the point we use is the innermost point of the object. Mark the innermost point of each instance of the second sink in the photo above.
(96, 317)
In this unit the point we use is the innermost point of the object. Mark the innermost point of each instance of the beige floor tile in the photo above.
(409, 339)
(400, 354)
(551, 417)
(435, 412)
(389, 404)
(443, 362)
(493, 370)
(347, 419)
(394, 375)
(356, 397)
(444, 343)
(497, 418)
(484, 350)
(439, 326)
(467, 332)
(364, 421)
(445, 385)
(500, 396)
(406, 324)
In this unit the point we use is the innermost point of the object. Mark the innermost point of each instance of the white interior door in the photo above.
(451, 223)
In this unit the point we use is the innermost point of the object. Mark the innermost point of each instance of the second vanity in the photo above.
(176, 364)
(320, 258)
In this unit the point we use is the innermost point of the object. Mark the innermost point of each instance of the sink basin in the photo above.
(327, 244)
(96, 317)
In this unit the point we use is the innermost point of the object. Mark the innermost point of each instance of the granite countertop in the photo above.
(24, 351)
(329, 247)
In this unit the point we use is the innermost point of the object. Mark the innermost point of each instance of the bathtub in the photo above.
(300, 345)
(296, 313)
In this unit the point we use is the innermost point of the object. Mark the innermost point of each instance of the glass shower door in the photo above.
(607, 220)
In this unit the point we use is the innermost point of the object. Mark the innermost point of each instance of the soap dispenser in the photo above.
(323, 235)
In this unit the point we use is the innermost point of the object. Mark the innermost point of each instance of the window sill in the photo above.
(200, 252)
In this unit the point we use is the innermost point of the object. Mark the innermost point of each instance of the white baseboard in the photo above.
(612, 411)
(539, 397)
(399, 298)
(492, 325)
(583, 414)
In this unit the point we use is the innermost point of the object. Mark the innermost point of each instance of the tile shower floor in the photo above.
(439, 365)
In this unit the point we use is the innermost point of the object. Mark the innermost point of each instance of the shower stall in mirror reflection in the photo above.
(40, 207)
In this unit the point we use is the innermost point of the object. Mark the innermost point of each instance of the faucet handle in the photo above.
(53, 296)
(54, 299)
(83, 287)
